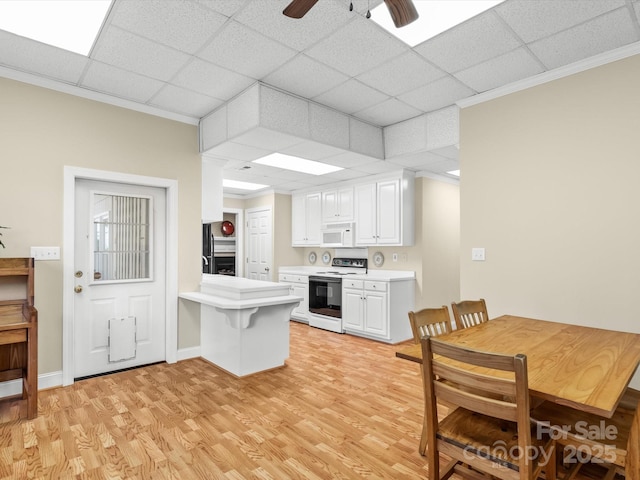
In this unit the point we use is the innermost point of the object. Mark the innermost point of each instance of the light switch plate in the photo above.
(477, 254)
(45, 253)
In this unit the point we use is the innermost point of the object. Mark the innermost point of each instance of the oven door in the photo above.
(325, 296)
(224, 264)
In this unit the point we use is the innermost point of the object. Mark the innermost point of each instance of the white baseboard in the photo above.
(54, 379)
(45, 380)
(187, 353)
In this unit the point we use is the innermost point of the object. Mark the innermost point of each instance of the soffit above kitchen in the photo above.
(184, 59)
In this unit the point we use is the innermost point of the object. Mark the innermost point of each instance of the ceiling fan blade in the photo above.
(298, 8)
(403, 12)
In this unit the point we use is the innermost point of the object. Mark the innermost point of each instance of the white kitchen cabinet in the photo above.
(337, 205)
(298, 286)
(384, 212)
(306, 219)
(378, 309)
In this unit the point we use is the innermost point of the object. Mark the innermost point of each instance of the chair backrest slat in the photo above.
(430, 321)
(469, 313)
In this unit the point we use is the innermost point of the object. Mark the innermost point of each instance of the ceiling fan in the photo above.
(403, 12)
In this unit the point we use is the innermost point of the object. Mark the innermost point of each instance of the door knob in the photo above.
(266, 269)
(77, 288)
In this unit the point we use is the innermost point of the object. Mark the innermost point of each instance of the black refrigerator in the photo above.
(207, 249)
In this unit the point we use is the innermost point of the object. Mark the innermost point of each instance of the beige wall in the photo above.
(550, 188)
(41, 131)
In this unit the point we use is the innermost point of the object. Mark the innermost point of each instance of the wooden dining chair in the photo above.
(469, 313)
(483, 434)
(432, 322)
(613, 442)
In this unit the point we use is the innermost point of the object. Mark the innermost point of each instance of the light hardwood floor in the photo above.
(342, 408)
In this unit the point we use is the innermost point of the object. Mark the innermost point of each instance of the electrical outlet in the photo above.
(45, 253)
(477, 254)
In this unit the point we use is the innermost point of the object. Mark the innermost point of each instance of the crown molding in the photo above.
(556, 74)
(76, 91)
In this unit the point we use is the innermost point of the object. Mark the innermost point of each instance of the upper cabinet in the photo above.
(305, 219)
(382, 209)
(384, 212)
(337, 205)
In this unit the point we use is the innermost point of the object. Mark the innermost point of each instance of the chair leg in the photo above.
(610, 474)
(423, 440)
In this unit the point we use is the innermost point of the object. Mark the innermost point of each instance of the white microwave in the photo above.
(338, 235)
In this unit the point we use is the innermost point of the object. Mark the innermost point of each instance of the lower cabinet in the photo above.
(298, 286)
(378, 309)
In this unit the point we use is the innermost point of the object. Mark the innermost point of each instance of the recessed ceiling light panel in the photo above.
(242, 185)
(297, 164)
(68, 24)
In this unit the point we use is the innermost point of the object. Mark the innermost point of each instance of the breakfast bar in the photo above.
(244, 323)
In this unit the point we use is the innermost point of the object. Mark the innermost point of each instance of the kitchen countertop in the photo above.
(371, 275)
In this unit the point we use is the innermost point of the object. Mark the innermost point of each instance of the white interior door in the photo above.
(119, 305)
(259, 244)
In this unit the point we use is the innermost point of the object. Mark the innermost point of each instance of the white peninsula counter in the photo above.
(244, 324)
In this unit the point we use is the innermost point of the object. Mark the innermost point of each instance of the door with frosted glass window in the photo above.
(119, 307)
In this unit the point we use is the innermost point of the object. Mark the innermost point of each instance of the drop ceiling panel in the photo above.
(184, 101)
(417, 161)
(225, 7)
(502, 70)
(238, 151)
(357, 47)
(349, 160)
(438, 94)
(241, 49)
(535, 20)
(141, 56)
(416, 71)
(166, 22)
(35, 57)
(478, 39)
(124, 50)
(267, 139)
(376, 167)
(605, 33)
(388, 112)
(265, 16)
(312, 150)
(305, 77)
(211, 80)
(342, 175)
(115, 81)
(351, 96)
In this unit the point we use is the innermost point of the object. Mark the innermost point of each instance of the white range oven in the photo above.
(325, 293)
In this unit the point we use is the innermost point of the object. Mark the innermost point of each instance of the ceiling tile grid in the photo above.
(27, 55)
(192, 57)
(240, 49)
(115, 81)
(166, 22)
(305, 77)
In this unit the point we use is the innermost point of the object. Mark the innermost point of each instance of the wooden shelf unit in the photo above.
(19, 332)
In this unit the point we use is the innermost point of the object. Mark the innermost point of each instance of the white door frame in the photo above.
(239, 213)
(171, 277)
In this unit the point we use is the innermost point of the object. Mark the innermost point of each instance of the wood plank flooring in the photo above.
(342, 408)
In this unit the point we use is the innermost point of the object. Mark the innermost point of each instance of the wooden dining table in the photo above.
(585, 368)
